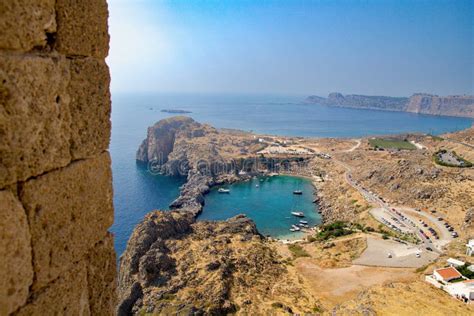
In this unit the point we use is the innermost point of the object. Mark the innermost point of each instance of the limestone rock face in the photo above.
(31, 30)
(161, 137)
(56, 256)
(34, 116)
(175, 265)
(16, 271)
(64, 217)
(436, 105)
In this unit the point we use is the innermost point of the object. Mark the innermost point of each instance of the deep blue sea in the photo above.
(136, 192)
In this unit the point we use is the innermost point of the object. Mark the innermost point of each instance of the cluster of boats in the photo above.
(294, 227)
(297, 227)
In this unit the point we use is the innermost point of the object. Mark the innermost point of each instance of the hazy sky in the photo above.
(292, 47)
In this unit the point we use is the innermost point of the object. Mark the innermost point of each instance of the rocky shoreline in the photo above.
(149, 268)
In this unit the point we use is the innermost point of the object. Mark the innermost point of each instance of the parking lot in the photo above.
(388, 253)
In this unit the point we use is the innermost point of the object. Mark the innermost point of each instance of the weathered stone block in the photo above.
(34, 116)
(90, 107)
(67, 295)
(82, 27)
(16, 270)
(25, 24)
(101, 277)
(69, 210)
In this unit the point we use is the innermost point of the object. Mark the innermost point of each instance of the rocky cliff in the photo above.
(462, 106)
(181, 146)
(168, 135)
(175, 266)
(435, 105)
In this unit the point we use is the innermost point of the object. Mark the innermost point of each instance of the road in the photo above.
(358, 142)
(403, 222)
(460, 143)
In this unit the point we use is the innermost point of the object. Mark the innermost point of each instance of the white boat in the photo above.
(292, 230)
(222, 190)
(298, 192)
(303, 222)
(256, 185)
(297, 214)
(296, 228)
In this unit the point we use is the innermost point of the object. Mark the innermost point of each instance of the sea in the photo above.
(137, 192)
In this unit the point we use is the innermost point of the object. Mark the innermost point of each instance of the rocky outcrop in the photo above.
(435, 105)
(462, 106)
(175, 265)
(468, 224)
(161, 137)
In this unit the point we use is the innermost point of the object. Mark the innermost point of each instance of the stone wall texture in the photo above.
(56, 254)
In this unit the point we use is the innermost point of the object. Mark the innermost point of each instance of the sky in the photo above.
(289, 47)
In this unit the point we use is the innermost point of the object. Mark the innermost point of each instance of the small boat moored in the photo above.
(298, 192)
(303, 222)
(297, 214)
(222, 190)
(295, 228)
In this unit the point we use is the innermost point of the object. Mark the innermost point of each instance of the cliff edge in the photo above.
(461, 106)
(175, 266)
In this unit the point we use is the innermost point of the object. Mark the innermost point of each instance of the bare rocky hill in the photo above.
(175, 266)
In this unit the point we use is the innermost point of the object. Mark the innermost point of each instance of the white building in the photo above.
(446, 274)
(470, 247)
(455, 262)
(462, 290)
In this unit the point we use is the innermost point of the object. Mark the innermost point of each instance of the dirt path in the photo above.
(354, 147)
(339, 285)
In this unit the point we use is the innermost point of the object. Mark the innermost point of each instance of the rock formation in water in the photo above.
(175, 265)
(170, 135)
(462, 106)
(181, 146)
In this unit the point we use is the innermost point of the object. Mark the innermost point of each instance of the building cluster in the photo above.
(452, 281)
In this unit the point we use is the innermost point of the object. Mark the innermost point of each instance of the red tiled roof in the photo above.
(449, 273)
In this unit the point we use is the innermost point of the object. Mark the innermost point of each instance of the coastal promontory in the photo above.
(423, 103)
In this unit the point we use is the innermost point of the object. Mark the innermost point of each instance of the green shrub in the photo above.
(465, 271)
(336, 229)
(297, 251)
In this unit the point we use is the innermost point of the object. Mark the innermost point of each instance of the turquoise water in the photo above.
(269, 204)
(136, 192)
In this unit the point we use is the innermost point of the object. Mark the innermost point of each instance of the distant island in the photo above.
(175, 111)
(454, 105)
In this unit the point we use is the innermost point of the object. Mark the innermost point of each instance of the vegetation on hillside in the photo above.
(465, 271)
(336, 229)
(400, 144)
(297, 251)
(465, 163)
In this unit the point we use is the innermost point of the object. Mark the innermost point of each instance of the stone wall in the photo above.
(56, 255)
